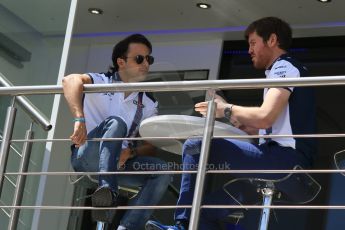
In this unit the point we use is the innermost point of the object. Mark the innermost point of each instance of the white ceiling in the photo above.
(165, 20)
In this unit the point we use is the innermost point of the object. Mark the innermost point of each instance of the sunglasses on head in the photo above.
(140, 58)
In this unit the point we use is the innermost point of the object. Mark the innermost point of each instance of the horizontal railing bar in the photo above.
(216, 171)
(181, 85)
(276, 206)
(327, 135)
(291, 171)
(47, 207)
(107, 139)
(27, 106)
(97, 173)
(96, 208)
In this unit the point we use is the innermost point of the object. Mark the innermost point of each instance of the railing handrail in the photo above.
(27, 106)
(181, 85)
(178, 86)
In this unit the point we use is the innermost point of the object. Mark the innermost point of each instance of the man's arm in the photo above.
(73, 92)
(145, 149)
(253, 117)
(249, 130)
(264, 116)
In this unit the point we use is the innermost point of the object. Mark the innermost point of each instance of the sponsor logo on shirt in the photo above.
(280, 72)
(280, 67)
(109, 94)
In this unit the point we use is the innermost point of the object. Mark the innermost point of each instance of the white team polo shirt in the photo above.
(99, 106)
(281, 68)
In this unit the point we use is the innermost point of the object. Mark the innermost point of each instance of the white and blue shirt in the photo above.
(99, 106)
(298, 117)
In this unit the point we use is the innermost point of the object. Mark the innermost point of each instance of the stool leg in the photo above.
(100, 225)
(267, 194)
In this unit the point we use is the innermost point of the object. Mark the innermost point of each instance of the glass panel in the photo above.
(181, 102)
(31, 44)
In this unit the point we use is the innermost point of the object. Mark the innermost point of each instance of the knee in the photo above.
(192, 147)
(114, 123)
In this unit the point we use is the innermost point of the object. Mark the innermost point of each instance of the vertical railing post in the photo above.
(20, 184)
(200, 178)
(6, 141)
(267, 194)
(100, 225)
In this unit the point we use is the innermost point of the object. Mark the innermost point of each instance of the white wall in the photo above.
(168, 56)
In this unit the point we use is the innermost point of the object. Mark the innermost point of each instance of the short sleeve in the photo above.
(97, 78)
(284, 69)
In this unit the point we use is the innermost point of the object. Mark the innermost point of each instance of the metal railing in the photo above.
(208, 133)
(37, 116)
(179, 86)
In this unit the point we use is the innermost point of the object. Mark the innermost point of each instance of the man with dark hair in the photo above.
(285, 111)
(116, 115)
(267, 26)
(120, 50)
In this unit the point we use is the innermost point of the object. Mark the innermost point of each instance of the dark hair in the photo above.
(121, 48)
(264, 27)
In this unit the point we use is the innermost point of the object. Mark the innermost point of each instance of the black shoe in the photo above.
(103, 197)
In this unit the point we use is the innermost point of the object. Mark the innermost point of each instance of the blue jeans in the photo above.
(236, 155)
(103, 156)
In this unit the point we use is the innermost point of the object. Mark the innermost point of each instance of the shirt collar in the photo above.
(132, 96)
(116, 77)
(278, 59)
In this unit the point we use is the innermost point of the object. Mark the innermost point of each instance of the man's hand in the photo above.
(79, 134)
(220, 103)
(124, 156)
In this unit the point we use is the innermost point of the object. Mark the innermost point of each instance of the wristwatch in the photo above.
(227, 112)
